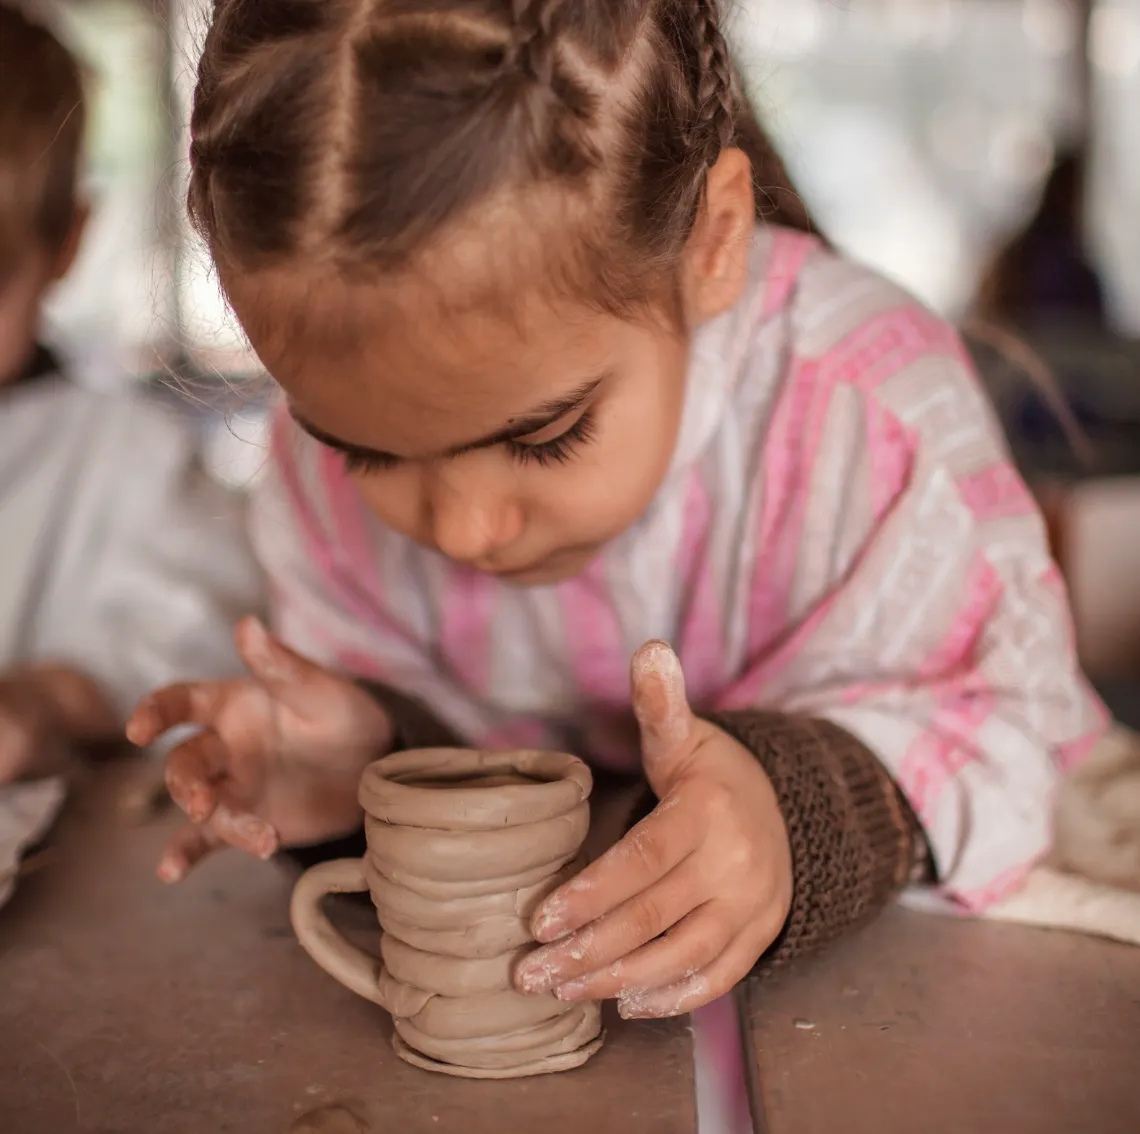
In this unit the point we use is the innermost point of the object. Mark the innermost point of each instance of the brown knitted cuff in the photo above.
(854, 840)
(415, 726)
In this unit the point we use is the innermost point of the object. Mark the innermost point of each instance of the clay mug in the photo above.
(462, 846)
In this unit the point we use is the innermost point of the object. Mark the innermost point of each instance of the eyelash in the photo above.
(556, 451)
(366, 463)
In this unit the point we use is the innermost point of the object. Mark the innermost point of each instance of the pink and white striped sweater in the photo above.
(840, 534)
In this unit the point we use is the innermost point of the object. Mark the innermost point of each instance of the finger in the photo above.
(269, 659)
(708, 983)
(603, 942)
(189, 845)
(191, 771)
(191, 702)
(244, 831)
(662, 710)
(692, 944)
(643, 856)
(227, 826)
(13, 749)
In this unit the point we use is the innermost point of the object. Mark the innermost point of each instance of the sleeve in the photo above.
(855, 841)
(331, 599)
(922, 614)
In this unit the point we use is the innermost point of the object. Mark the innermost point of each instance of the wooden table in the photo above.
(130, 1008)
(942, 1026)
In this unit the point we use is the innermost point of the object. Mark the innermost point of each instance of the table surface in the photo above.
(949, 1026)
(132, 1008)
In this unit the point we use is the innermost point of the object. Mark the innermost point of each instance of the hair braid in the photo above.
(724, 119)
(353, 133)
(715, 87)
(533, 37)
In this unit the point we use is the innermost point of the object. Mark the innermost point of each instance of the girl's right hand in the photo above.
(278, 758)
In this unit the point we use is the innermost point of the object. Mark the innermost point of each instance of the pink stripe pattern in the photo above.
(867, 555)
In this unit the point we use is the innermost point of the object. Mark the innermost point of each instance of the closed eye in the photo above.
(557, 450)
(364, 462)
(554, 451)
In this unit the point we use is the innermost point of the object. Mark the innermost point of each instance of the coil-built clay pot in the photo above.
(462, 846)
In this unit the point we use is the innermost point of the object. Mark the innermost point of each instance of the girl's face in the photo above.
(514, 446)
(515, 443)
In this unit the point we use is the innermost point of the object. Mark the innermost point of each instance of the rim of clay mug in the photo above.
(564, 782)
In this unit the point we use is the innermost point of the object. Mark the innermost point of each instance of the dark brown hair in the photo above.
(355, 131)
(41, 136)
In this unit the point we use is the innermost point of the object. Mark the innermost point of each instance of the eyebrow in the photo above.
(534, 421)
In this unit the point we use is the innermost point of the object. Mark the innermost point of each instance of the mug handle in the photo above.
(343, 961)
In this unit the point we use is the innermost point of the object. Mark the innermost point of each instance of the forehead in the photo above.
(392, 366)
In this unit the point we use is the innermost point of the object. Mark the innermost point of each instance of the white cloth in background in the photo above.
(118, 553)
(1090, 880)
(26, 813)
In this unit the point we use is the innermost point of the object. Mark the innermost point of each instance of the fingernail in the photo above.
(170, 872)
(633, 1004)
(199, 808)
(657, 656)
(572, 990)
(548, 930)
(550, 921)
(267, 844)
(663, 1003)
(537, 976)
(261, 835)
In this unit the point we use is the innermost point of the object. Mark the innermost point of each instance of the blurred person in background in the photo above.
(121, 562)
(1044, 271)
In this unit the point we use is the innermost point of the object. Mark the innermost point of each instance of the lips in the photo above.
(552, 568)
(516, 572)
(541, 570)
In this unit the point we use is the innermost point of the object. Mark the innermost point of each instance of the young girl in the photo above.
(564, 376)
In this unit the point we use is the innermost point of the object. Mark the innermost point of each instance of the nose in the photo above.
(471, 515)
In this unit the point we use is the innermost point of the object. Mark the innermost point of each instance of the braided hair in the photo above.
(715, 95)
(355, 131)
(532, 39)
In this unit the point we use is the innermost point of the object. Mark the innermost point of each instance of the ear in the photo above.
(716, 256)
(69, 250)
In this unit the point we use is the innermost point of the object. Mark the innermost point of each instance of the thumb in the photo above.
(276, 666)
(662, 711)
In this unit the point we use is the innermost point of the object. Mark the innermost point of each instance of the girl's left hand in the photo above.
(678, 911)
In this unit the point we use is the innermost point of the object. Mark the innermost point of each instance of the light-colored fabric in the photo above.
(1052, 899)
(840, 534)
(1090, 882)
(26, 813)
(117, 553)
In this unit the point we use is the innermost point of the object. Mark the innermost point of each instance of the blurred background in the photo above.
(977, 151)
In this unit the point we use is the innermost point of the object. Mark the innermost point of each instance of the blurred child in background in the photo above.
(121, 562)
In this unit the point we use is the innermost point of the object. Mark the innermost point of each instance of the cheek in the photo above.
(623, 470)
(643, 429)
